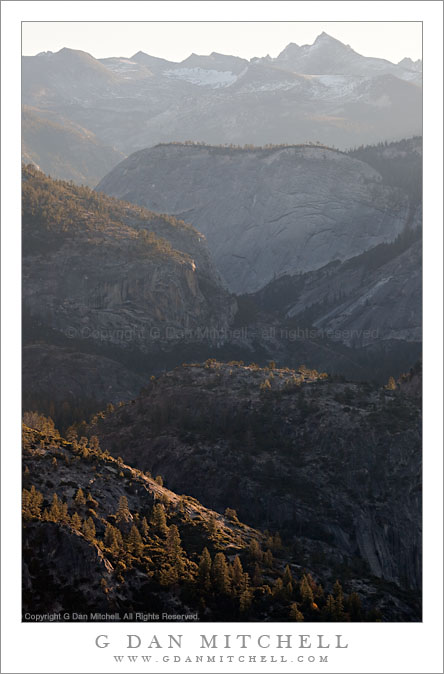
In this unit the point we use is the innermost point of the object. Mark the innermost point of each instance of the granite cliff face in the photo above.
(334, 466)
(114, 268)
(110, 280)
(353, 302)
(266, 212)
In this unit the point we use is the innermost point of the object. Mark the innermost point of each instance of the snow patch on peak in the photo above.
(203, 77)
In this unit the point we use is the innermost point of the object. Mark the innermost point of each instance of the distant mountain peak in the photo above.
(291, 49)
(151, 61)
(78, 53)
(410, 64)
(326, 39)
(323, 41)
(325, 36)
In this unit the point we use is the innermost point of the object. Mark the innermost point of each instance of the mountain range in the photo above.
(322, 92)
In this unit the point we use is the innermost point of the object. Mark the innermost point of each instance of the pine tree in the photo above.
(391, 386)
(174, 548)
(220, 573)
(329, 610)
(245, 599)
(71, 434)
(173, 543)
(134, 542)
(109, 536)
(288, 590)
(54, 511)
(80, 499)
(295, 613)
(32, 503)
(339, 602)
(144, 528)
(26, 500)
(123, 515)
(64, 515)
(204, 571)
(158, 518)
(113, 540)
(257, 575)
(306, 593)
(287, 577)
(254, 550)
(83, 446)
(89, 529)
(318, 592)
(237, 573)
(278, 588)
(76, 522)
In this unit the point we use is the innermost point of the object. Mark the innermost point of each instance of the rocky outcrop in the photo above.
(335, 466)
(112, 293)
(266, 212)
(60, 568)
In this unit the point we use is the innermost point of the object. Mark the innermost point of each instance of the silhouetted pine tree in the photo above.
(295, 614)
(220, 573)
(204, 571)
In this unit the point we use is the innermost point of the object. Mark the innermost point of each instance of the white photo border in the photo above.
(391, 648)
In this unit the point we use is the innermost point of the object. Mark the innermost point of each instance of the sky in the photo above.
(175, 41)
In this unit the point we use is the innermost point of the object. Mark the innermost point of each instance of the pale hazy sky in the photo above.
(177, 40)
